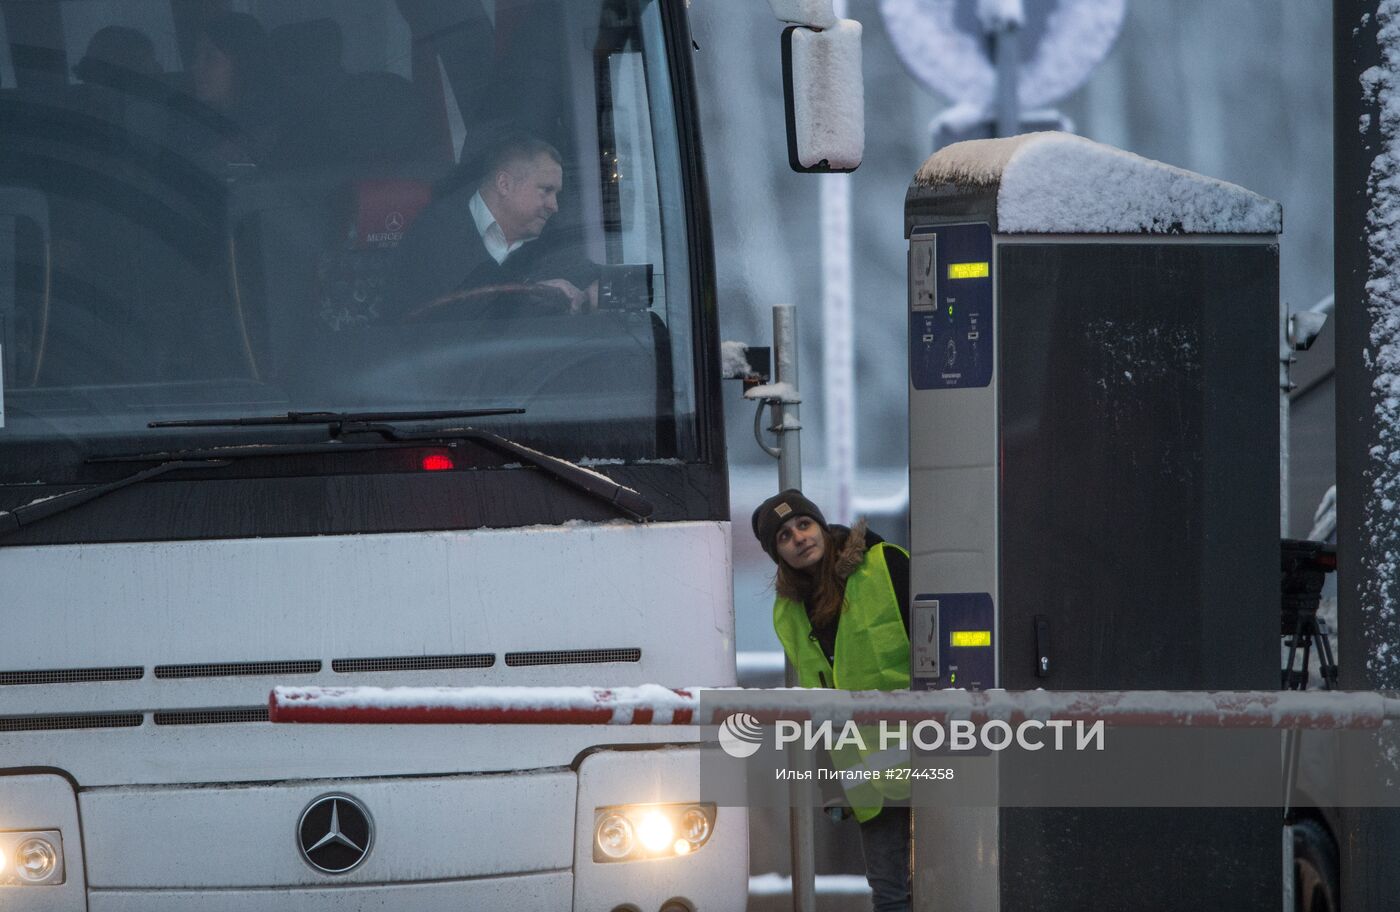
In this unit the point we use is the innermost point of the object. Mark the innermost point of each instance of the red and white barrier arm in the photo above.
(652, 704)
(648, 704)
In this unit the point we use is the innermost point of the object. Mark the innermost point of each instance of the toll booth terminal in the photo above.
(1094, 482)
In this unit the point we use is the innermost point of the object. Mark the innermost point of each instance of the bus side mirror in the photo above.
(824, 97)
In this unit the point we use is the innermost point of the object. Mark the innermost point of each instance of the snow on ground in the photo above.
(1065, 184)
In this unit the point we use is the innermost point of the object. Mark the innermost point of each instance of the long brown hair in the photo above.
(820, 589)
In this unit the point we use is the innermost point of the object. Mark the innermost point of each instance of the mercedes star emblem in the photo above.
(335, 833)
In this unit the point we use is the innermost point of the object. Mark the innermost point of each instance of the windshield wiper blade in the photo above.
(600, 486)
(254, 450)
(36, 511)
(587, 480)
(596, 484)
(334, 419)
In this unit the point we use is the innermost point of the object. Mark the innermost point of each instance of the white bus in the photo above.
(233, 456)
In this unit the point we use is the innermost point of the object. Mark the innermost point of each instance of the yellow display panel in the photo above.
(969, 270)
(971, 637)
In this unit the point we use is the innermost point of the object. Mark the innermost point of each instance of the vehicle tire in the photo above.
(1317, 884)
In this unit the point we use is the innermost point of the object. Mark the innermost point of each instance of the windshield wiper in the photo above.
(36, 511)
(254, 450)
(335, 421)
(339, 424)
(597, 484)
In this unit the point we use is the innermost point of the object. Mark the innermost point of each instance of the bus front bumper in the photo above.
(517, 840)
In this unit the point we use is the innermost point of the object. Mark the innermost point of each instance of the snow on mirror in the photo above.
(818, 14)
(824, 97)
(944, 44)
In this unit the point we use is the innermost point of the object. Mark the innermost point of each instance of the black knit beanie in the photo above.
(778, 509)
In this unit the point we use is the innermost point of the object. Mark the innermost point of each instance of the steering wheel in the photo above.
(516, 299)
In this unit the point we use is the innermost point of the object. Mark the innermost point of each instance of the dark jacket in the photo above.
(443, 252)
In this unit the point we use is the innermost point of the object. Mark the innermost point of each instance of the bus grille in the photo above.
(69, 721)
(297, 667)
(72, 675)
(235, 669)
(211, 716)
(415, 663)
(573, 657)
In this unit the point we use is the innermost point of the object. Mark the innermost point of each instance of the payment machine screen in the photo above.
(950, 306)
(950, 641)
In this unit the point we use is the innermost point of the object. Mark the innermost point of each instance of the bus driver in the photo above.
(493, 241)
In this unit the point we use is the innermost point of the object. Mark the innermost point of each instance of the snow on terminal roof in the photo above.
(1059, 183)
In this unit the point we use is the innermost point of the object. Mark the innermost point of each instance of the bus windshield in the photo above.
(245, 209)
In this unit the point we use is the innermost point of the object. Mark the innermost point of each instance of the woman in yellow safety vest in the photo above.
(842, 614)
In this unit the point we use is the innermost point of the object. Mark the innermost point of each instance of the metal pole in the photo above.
(1006, 52)
(838, 346)
(785, 414)
(1285, 386)
(801, 820)
(838, 340)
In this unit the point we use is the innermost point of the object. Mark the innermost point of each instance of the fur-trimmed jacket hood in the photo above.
(851, 545)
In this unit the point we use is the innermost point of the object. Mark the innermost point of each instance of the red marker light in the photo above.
(437, 462)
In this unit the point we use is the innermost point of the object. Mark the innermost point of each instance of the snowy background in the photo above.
(1234, 89)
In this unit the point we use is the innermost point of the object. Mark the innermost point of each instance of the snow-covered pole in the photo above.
(1002, 21)
(801, 820)
(786, 422)
(838, 345)
(838, 338)
(653, 704)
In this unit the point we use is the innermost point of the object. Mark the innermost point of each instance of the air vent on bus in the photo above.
(415, 663)
(69, 721)
(573, 657)
(72, 675)
(211, 716)
(233, 669)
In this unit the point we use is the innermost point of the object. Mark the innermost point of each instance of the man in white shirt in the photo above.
(493, 243)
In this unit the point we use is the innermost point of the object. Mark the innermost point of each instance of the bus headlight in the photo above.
(613, 837)
(32, 859)
(633, 832)
(655, 831)
(36, 860)
(695, 826)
